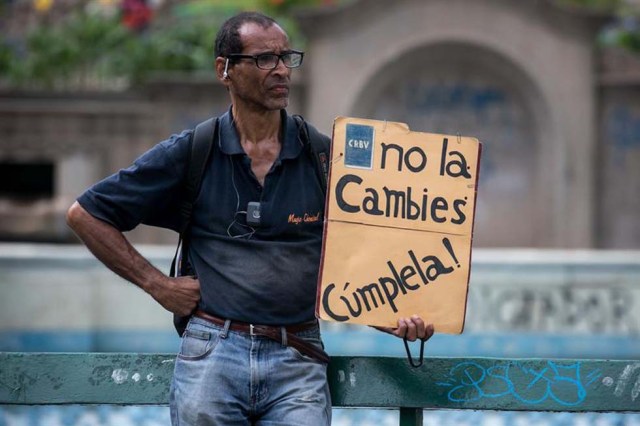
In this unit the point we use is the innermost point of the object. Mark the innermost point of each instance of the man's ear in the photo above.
(222, 69)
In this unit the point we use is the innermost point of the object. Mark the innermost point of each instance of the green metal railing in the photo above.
(356, 382)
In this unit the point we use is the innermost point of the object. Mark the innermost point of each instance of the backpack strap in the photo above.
(318, 147)
(202, 141)
(201, 145)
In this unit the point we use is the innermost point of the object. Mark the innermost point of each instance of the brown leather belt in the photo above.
(274, 333)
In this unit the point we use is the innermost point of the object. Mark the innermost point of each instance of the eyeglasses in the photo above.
(269, 61)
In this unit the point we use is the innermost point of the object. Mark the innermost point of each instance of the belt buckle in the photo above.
(251, 333)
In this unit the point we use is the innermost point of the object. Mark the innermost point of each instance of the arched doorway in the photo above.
(460, 88)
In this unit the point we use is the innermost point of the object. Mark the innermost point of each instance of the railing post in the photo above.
(410, 416)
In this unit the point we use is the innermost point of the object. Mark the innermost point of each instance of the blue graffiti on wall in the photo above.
(623, 127)
(483, 110)
(442, 97)
(564, 384)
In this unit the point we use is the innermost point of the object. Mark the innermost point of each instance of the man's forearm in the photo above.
(178, 295)
(111, 247)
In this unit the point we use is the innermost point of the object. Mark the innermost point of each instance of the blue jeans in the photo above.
(227, 378)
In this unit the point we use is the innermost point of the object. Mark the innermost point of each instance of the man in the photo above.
(230, 371)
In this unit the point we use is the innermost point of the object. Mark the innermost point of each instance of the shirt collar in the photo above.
(229, 140)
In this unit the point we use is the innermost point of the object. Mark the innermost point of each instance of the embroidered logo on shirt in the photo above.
(305, 218)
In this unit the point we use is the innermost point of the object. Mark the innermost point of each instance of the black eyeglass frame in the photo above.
(281, 57)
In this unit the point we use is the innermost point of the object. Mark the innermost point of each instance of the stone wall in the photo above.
(88, 136)
(618, 157)
(82, 138)
(518, 75)
(521, 303)
(559, 120)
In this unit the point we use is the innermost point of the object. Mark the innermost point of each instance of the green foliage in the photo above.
(284, 7)
(602, 5)
(625, 32)
(186, 47)
(91, 50)
(6, 58)
(629, 40)
(625, 35)
(77, 51)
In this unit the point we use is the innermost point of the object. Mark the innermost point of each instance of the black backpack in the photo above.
(316, 145)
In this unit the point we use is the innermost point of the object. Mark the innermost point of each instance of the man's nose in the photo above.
(281, 68)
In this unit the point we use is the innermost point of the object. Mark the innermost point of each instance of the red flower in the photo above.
(136, 15)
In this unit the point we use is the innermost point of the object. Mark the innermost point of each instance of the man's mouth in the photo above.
(280, 87)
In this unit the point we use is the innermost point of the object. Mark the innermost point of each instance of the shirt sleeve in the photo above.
(147, 192)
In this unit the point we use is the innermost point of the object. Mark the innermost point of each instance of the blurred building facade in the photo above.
(559, 119)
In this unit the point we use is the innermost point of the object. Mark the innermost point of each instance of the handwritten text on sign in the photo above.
(399, 225)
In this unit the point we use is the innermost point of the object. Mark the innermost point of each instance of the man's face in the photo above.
(254, 87)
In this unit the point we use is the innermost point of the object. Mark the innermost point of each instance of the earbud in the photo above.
(225, 74)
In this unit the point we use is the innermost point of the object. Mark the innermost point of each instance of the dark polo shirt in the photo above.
(265, 274)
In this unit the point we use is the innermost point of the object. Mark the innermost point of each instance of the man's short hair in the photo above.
(228, 37)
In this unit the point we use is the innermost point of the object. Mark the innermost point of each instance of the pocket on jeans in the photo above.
(313, 341)
(196, 344)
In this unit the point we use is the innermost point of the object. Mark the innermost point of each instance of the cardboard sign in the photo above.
(398, 225)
